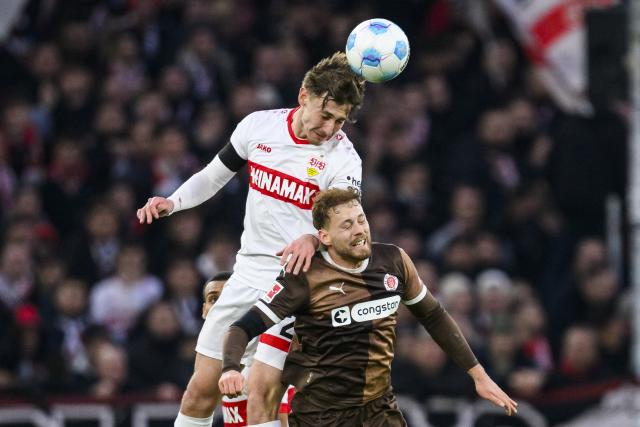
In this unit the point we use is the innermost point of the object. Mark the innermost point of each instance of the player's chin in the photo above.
(362, 253)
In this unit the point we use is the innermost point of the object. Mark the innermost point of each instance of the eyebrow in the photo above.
(327, 112)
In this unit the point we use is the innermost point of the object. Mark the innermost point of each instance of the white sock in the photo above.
(183, 420)
(267, 424)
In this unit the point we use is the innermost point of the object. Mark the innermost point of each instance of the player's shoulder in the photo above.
(386, 249)
(344, 148)
(389, 258)
(268, 115)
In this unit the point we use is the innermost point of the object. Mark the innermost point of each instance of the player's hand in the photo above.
(231, 383)
(155, 208)
(489, 390)
(301, 251)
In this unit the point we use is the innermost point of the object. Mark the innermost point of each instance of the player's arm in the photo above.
(288, 296)
(200, 187)
(444, 331)
(204, 184)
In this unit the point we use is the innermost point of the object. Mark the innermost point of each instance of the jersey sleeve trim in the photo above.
(418, 298)
(230, 158)
(268, 312)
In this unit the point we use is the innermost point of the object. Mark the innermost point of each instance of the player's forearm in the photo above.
(234, 346)
(238, 336)
(201, 186)
(444, 330)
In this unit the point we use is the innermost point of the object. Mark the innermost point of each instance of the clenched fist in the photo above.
(231, 383)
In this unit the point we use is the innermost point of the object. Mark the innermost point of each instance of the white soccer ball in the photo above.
(377, 50)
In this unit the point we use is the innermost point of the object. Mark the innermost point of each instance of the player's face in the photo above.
(347, 237)
(319, 123)
(211, 293)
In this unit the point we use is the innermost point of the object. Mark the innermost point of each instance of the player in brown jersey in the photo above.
(346, 309)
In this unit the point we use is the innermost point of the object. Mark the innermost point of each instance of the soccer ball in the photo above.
(377, 50)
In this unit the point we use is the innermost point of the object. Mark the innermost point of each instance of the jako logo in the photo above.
(264, 148)
(340, 316)
(365, 311)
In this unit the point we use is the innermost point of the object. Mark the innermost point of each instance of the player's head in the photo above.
(329, 95)
(212, 289)
(342, 225)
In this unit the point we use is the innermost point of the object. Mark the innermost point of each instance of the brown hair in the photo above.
(333, 79)
(329, 199)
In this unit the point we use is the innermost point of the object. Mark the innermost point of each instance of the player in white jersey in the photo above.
(234, 409)
(291, 154)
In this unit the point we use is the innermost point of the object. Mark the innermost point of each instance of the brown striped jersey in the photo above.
(345, 324)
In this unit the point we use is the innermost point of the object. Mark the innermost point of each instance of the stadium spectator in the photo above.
(183, 282)
(92, 252)
(111, 371)
(155, 362)
(118, 300)
(16, 274)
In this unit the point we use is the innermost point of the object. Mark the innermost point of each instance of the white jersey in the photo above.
(285, 173)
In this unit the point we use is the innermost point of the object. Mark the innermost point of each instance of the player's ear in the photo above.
(303, 95)
(324, 237)
(204, 312)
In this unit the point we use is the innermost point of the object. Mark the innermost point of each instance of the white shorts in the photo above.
(274, 344)
(235, 300)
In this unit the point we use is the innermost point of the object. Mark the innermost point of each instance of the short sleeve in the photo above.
(242, 134)
(349, 172)
(287, 296)
(414, 289)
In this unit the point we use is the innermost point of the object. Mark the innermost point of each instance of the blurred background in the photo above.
(497, 160)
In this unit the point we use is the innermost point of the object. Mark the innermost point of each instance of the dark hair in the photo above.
(222, 275)
(327, 200)
(333, 79)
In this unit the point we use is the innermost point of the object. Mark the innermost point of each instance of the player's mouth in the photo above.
(359, 242)
(320, 135)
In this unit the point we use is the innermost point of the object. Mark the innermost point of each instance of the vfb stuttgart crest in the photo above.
(390, 282)
(315, 167)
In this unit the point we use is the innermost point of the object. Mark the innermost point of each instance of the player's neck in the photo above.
(298, 129)
(349, 265)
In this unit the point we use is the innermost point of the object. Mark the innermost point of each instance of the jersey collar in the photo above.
(290, 129)
(360, 269)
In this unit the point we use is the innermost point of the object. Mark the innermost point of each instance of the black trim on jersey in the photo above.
(251, 323)
(230, 158)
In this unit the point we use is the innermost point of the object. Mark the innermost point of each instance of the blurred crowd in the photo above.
(468, 165)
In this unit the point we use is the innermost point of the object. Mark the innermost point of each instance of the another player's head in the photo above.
(329, 95)
(342, 225)
(212, 289)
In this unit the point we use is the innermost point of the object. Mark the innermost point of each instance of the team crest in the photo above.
(315, 167)
(275, 290)
(390, 282)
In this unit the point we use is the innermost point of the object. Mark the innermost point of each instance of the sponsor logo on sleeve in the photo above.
(271, 294)
(390, 282)
(355, 182)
